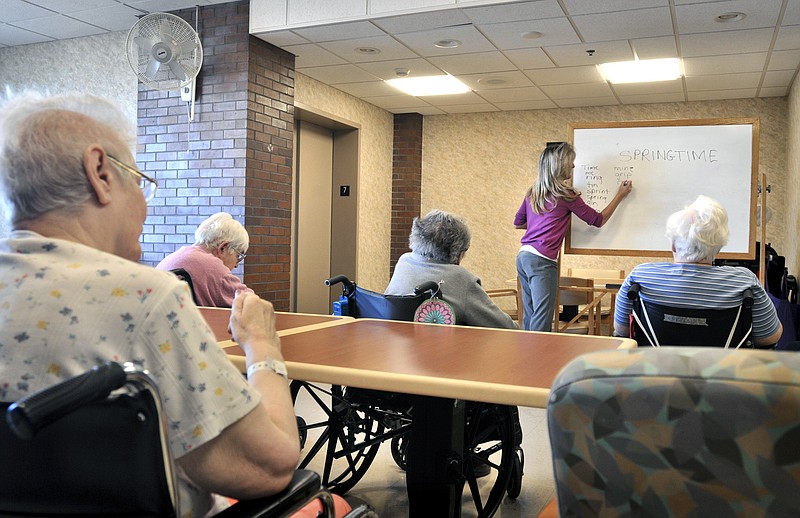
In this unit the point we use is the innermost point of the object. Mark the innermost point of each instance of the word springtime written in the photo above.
(668, 155)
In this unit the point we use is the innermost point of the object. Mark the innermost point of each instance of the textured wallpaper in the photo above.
(480, 165)
(375, 178)
(92, 65)
(790, 209)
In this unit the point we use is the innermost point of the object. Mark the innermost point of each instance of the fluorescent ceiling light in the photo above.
(429, 85)
(641, 71)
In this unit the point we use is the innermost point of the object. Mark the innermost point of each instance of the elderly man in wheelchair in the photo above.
(73, 296)
(690, 301)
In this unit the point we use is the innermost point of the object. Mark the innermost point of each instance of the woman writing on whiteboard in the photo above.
(545, 214)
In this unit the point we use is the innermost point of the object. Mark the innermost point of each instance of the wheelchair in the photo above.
(96, 445)
(356, 421)
(657, 325)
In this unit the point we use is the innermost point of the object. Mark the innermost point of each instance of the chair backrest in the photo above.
(183, 275)
(99, 456)
(79, 449)
(656, 325)
(363, 303)
(599, 276)
(677, 432)
(571, 301)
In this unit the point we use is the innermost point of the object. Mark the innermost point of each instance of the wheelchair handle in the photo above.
(633, 291)
(337, 279)
(431, 286)
(30, 414)
(747, 298)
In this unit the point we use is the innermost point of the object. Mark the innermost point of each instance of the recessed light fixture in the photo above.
(368, 50)
(532, 35)
(492, 81)
(730, 17)
(447, 44)
(429, 85)
(641, 71)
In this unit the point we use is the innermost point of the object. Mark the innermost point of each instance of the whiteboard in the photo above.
(670, 163)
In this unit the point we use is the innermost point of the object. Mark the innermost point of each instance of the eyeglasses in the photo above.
(240, 257)
(147, 184)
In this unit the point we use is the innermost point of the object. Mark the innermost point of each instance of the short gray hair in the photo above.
(699, 231)
(42, 140)
(220, 228)
(440, 236)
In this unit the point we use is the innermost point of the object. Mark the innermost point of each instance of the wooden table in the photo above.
(441, 364)
(286, 323)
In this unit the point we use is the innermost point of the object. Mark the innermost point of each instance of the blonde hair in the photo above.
(555, 172)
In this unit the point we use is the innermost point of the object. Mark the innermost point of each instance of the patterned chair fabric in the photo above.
(677, 431)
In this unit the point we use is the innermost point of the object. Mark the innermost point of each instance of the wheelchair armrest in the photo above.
(32, 413)
(303, 488)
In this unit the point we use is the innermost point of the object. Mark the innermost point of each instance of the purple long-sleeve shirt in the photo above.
(545, 232)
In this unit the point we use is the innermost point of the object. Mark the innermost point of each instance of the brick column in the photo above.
(235, 156)
(406, 181)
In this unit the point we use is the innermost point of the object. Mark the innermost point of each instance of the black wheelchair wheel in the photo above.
(399, 447)
(515, 481)
(342, 437)
(489, 438)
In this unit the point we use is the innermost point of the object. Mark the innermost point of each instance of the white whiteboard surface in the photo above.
(670, 163)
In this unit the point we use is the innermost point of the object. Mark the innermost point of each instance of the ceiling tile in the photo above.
(59, 27)
(713, 95)
(470, 108)
(312, 55)
(397, 101)
(563, 76)
(388, 46)
(583, 7)
(514, 12)
(338, 74)
(512, 94)
(360, 29)
(778, 78)
(774, 91)
(526, 105)
(701, 17)
(721, 43)
(784, 60)
(788, 38)
(423, 42)
(791, 16)
(421, 21)
(529, 58)
(494, 81)
(14, 10)
(577, 55)
(655, 87)
(730, 64)
(555, 31)
(580, 102)
(367, 89)
(10, 36)
(117, 17)
(416, 67)
(723, 81)
(652, 98)
(282, 38)
(488, 62)
(453, 100)
(558, 92)
(655, 48)
(635, 23)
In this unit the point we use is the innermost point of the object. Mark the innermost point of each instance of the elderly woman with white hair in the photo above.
(697, 234)
(438, 243)
(220, 244)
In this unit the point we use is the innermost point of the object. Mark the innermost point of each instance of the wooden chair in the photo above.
(602, 278)
(578, 293)
(514, 294)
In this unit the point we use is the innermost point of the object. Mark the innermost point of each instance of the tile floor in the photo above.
(384, 484)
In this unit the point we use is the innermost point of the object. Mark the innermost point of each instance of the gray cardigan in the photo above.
(461, 289)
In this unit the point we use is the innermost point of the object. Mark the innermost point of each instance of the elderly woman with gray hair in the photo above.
(220, 244)
(697, 234)
(438, 243)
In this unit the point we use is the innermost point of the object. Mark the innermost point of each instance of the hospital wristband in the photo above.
(276, 366)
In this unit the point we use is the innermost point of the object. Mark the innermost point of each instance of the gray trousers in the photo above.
(538, 278)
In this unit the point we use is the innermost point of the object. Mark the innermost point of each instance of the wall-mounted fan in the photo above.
(164, 51)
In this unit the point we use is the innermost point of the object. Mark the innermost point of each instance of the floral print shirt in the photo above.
(66, 307)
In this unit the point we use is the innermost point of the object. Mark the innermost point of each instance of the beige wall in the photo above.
(790, 209)
(480, 165)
